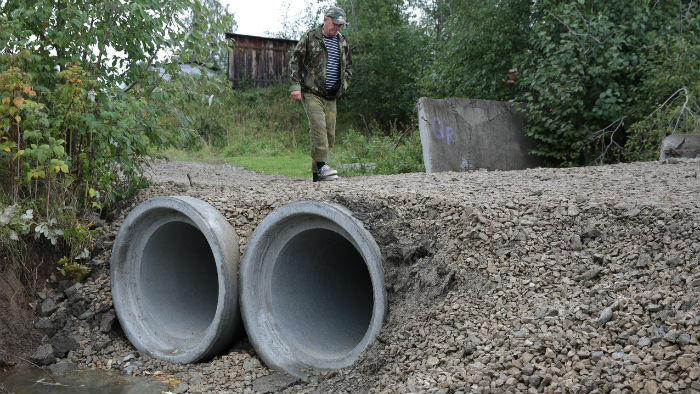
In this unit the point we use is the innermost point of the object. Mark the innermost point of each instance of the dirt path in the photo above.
(199, 174)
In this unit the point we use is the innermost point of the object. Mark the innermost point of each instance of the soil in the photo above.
(20, 285)
(18, 338)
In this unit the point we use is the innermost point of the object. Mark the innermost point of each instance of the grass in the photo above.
(264, 131)
(293, 165)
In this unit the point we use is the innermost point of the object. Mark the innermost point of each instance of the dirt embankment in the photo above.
(581, 280)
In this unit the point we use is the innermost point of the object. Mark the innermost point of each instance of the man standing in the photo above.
(321, 71)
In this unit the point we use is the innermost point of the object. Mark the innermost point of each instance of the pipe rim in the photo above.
(127, 294)
(261, 327)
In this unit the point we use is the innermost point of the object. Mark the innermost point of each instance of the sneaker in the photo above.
(325, 178)
(326, 171)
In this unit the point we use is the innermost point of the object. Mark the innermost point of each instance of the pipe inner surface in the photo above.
(179, 282)
(321, 293)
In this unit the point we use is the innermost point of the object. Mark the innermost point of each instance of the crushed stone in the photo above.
(575, 280)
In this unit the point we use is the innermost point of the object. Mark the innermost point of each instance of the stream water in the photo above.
(31, 380)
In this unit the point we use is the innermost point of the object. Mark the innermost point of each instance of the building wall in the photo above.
(258, 61)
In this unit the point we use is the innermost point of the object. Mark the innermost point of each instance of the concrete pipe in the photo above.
(312, 288)
(174, 279)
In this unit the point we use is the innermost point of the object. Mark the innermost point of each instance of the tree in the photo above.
(78, 109)
(388, 56)
(294, 25)
(596, 67)
(474, 46)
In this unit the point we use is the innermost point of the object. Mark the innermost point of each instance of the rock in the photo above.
(128, 357)
(651, 387)
(62, 368)
(77, 306)
(576, 243)
(534, 380)
(591, 233)
(249, 363)
(683, 339)
(181, 388)
(522, 333)
(57, 296)
(43, 355)
(275, 383)
(101, 345)
(47, 308)
(653, 307)
(596, 356)
(686, 361)
(128, 370)
(671, 336)
(572, 209)
(632, 212)
(50, 325)
(71, 291)
(694, 373)
(107, 322)
(62, 345)
(469, 349)
(86, 315)
(46, 326)
(432, 361)
(643, 261)
(605, 316)
(528, 370)
(589, 275)
(618, 355)
(63, 285)
(679, 145)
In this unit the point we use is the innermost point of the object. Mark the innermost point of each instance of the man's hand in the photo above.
(295, 95)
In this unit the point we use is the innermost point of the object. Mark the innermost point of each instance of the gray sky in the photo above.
(255, 17)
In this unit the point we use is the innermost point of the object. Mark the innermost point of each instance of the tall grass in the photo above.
(265, 131)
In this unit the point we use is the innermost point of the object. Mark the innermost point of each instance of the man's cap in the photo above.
(337, 15)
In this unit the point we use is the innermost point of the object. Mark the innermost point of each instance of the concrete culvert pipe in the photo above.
(312, 288)
(174, 279)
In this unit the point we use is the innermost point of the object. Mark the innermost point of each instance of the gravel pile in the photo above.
(583, 280)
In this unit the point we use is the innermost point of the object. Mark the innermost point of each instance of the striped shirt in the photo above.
(333, 63)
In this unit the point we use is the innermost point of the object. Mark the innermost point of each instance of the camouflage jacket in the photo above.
(308, 64)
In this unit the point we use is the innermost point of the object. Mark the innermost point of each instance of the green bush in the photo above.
(596, 67)
(475, 45)
(389, 52)
(237, 122)
(372, 153)
(680, 114)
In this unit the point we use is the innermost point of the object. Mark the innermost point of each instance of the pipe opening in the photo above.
(321, 294)
(179, 283)
(312, 288)
(174, 279)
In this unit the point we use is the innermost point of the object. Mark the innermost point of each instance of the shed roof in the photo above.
(245, 36)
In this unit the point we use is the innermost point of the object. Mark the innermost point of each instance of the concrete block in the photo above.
(463, 134)
(680, 145)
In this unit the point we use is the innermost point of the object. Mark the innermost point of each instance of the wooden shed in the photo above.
(258, 61)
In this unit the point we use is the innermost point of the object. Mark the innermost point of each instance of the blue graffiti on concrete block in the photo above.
(444, 133)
